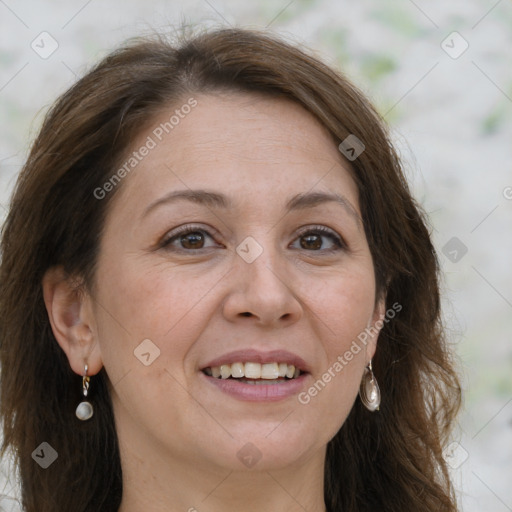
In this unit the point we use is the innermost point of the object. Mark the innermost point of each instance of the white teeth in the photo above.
(225, 371)
(250, 371)
(269, 371)
(237, 370)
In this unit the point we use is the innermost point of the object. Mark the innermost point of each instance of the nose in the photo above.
(262, 292)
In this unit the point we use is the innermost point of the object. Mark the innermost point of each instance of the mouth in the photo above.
(256, 376)
(255, 373)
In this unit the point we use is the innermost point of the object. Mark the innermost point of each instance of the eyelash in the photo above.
(338, 242)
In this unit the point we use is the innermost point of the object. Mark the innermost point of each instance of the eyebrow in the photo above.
(216, 200)
(312, 199)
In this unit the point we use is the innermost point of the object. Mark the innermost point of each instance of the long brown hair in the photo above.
(390, 460)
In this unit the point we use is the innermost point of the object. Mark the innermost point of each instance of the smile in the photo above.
(254, 373)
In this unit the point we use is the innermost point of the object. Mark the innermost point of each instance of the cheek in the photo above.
(334, 388)
(170, 308)
(167, 306)
(331, 395)
(343, 305)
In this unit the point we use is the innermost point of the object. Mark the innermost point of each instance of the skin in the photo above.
(179, 435)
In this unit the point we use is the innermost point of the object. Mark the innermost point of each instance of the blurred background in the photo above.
(439, 72)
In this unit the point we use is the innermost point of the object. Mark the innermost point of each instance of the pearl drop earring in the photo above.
(85, 410)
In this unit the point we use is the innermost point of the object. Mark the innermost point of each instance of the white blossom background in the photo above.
(440, 74)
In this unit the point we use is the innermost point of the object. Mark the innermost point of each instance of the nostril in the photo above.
(246, 313)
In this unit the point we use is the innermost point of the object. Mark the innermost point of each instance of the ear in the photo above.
(71, 317)
(375, 325)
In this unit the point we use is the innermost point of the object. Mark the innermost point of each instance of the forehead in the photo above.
(243, 144)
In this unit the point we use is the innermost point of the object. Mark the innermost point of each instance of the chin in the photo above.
(269, 448)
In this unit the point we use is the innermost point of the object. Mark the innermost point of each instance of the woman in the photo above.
(211, 251)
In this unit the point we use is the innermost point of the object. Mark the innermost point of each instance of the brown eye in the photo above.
(193, 240)
(319, 239)
(311, 242)
(187, 239)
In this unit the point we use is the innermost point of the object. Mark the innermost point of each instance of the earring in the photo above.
(369, 391)
(84, 411)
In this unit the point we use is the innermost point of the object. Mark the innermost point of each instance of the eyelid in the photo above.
(184, 229)
(324, 230)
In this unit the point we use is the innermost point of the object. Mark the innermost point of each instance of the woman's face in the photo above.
(236, 239)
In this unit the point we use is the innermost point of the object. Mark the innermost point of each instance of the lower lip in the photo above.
(259, 392)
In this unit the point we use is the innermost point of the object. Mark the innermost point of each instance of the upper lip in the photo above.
(256, 356)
